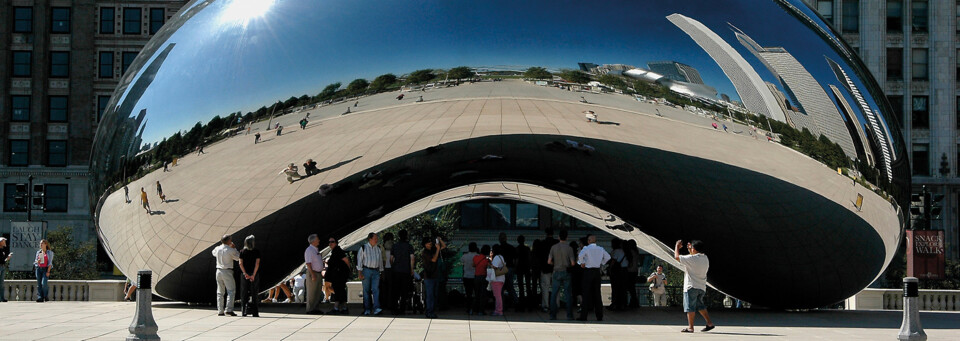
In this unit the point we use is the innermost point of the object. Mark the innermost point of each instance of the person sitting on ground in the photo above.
(310, 167)
(291, 172)
(130, 289)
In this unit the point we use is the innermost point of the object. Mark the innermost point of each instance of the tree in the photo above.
(440, 222)
(329, 91)
(460, 72)
(73, 260)
(537, 72)
(613, 81)
(357, 86)
(420, 76)
(382, 82)
(575, 76)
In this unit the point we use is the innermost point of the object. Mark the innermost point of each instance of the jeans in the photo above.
(545, 279)
(3, 291)
(371, 289)
(226, 288)
(479, 294)
(388, 298)
(403, 288)
(43, 290)
(430, 286)
(508, 286)
(497, 297)
(561, 278)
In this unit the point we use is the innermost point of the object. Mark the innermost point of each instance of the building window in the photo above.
(21, 63)
(920, 13)
(126, 60)
(22, 19)
(528, 215)
(19, 152)
(471, 215)
(102, 106)
(56, 153)
(921, 112)
(55, 198)
(21, 108)
(131, 20)
(958, 117)
(895, 16)
(108, 17)
(825, 7)
(59, 64)
(157, 17)
(921, 159)
(920, 69)
(896, 102)
(60, 20)
(58, 108)
(851, 16)
(106, 65)
(894, 64)
(9, 198)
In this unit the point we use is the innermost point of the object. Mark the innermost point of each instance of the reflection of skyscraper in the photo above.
(725, 98)
(587, 67)
(745, 79)
(676, 71)
(876, 124)
(795, 119)
(860, 141)
(804, 89)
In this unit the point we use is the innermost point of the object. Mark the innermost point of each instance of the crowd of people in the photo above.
(508, 275)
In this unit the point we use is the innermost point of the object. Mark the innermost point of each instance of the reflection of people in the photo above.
(695, 266)
(402, 260)
(279, 130)
(468, 274)
(256, 138)
(496, 281)
(310, 167)
(658, 282)
(291, 172)
(561, 257)
(144, 201)
(163, 198)
(126, 193)
(225, 255)
(43, 263)
(130, 288)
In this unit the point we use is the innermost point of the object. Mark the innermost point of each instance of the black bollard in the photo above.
(143, 326)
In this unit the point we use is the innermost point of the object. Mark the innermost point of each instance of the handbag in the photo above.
(501, 270)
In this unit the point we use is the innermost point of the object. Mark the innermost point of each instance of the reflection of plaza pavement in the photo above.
(236, 184)
(109, 321)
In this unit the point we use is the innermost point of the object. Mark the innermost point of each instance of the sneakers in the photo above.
(220, 314)
(366, 313)
(231, 313)
(377, 311)
(285, 301)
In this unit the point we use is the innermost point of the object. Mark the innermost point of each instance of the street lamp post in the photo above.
(29, 197)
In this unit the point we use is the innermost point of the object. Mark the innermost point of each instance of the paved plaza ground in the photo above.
(109, 321)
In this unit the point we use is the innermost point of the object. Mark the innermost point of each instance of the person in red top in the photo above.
(480, 263)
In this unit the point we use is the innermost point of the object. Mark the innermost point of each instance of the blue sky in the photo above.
(298, 47)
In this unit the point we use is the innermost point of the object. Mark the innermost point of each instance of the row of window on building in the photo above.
(500, 214)
(130, 23)
(58, 108)
(54, 198)
(19, 153)
(60, 63)
(850, 15)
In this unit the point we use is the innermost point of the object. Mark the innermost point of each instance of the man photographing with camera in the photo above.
(695, 266)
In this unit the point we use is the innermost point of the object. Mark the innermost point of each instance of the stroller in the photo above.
(418, 301)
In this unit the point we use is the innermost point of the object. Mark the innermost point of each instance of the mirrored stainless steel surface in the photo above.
(745, 124)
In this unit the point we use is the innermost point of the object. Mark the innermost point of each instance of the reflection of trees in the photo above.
(441, 223)
(537, 72)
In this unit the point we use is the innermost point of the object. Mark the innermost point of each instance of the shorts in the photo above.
(693, 300)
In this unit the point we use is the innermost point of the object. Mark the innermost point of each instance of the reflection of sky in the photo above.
(298, 47)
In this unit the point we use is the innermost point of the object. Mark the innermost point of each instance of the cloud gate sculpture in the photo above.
(793, 171)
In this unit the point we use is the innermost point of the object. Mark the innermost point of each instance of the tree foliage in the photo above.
(357, 86)
(437, 223)
(460, 72)
(382, 82)
(420, 76)
(575, 76)
(613, 82)
(72, 260)
(537, 72)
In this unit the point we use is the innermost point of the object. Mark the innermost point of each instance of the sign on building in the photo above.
(925, 254)
(25, 239)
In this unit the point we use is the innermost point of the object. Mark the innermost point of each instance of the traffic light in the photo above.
(936, 206)
(39, 193)
(20, 197)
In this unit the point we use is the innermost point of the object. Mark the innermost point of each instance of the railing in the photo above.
(64, 290)
(892, 299)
